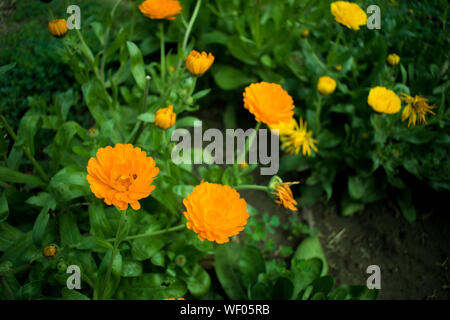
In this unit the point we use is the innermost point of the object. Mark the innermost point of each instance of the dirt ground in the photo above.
(414, 259)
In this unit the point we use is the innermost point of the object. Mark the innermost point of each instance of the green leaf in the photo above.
(131, 268)
(68, 294)
(323, 285)
(282, 289)
(187, 122)
(362, 293)
(137, 64)
(68, 229)
(9, 175)
(183, 190)
(311, 248)
(200, 282)
(8, 235)
(251, 264)
(40, 225)
(22, 251)
(147, 117)
(226, 259)
(116, 271)
(70, 183)
(229, 78)
(260, 291)
(304, 272)
(99, 223)
(404, 201)
(151, 286)
(145, 248)
(4, 209)
(356, 187)
(7, 67)
(42, 199)
(340, 293)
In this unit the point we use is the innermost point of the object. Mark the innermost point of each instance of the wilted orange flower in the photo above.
(349, 14)
(121, 175)
(58, 27)
(198, 63)
(416, 109)
(282, 193)
(160, 9)
(215, 212)
(165, 117)
(269, 103)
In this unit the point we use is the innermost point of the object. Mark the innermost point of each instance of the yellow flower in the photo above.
(198, 63)
(338, 67)
(175, 299)
(304, 33)
(393, 59)
(326, 85)
(215, 212)
(50, 251)
(416, 109)
(283, 127)
(349, 14)
(58, 27)
(121, 175)
(268, 102)
(384, 100)
(165, 118)
(299, 138)
(92, 131)
(160, 9)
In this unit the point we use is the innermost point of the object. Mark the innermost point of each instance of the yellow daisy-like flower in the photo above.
(160, 9)
(268, 102)
(416, 109)
(58, 28)
(326, 85)
(299, 138)
(165, 118)
(215, 212)
(384, 100)
(198, 63)
(121, 175)
(349, 14)
(393, 59)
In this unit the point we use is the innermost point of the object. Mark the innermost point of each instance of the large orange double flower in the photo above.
(121, 175)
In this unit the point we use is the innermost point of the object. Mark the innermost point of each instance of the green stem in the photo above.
(163, 53)
(191, 24)
(318, 112)
(251, 187)
(139, 127)
(150, 234)
(248, 143)
(115, 246)
(25, 150)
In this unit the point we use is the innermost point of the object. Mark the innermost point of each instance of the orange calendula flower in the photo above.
(416, 109)
(282, 193)
(175, 299)
(299, 138)
(269, 103)
(198, 63)
(215, 212)
(160, 9)
(283, 128)
(165, 117)
(349, 14)
(58, 27)
(384, 100)
(121, 175)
